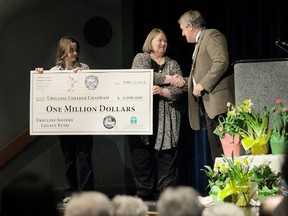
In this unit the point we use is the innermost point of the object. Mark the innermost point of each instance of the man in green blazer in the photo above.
(210, 85)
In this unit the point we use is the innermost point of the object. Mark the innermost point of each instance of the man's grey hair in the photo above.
(179, 201)
(192, 17)
(90, 203)
(223, 209)
(126, 205)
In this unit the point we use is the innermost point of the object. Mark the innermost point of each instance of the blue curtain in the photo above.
(193, 155)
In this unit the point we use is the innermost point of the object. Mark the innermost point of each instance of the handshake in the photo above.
(175, 80)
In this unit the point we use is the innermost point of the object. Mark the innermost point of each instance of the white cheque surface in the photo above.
(91, 102)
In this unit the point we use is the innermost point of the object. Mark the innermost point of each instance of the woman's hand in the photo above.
(164, 92)
(177, 81)
(39, 70)
(156, 90)
(75, 70)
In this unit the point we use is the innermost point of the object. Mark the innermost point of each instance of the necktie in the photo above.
(193, 60)
(194, 55)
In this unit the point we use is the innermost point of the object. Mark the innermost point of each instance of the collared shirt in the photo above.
(193, 56)
(197, 37)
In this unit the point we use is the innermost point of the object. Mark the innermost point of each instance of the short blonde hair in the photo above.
(147, 46)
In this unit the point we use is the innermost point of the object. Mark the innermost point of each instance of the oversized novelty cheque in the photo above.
(91, 102)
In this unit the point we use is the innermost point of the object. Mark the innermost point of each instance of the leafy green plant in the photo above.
(280, 120)
(266, 179)
(231, 124)
(255, 130)
(247, 122)
(233, 177)
(237, 177)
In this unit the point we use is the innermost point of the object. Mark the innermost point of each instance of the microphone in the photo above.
(283, 43)
(280, 44)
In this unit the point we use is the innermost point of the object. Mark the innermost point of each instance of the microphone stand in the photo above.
(280, 45)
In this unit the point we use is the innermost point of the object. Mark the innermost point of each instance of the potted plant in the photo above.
(230, 181)
(228, 131)
(235, 180)
(255, 132)
(266, 179)
(278, 139)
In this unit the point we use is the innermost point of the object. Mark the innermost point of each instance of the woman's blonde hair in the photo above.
(147, 46)
(64, 48)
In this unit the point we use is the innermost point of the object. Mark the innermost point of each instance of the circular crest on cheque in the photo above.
(91, 82)
(109, 122)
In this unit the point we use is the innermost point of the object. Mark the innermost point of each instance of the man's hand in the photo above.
(197, 90)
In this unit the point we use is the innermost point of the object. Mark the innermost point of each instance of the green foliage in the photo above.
(247, 122)
(236, 177)
(266, 179)
(280, 120)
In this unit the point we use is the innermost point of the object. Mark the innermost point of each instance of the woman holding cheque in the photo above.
(74, 147)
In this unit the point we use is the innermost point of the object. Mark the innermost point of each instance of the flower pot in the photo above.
(241, 199)
(260, 149)
(231, 145)
(278, 144)
(258, 145)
